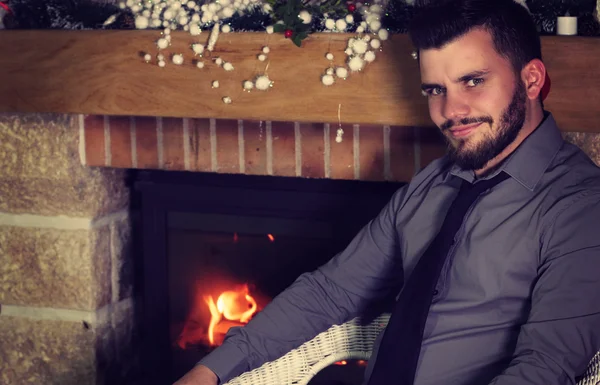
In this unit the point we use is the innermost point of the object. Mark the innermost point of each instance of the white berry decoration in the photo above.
(356, 63)
(341, 72)
(327, 79)
(248, 85)
(263, 83)
(177, 59)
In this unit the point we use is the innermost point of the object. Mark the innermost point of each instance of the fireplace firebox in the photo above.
(216, 248)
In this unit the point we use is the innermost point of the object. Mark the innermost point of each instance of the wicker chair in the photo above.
(351, 340)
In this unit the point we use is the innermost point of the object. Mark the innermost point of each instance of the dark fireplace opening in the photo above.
(216, 248)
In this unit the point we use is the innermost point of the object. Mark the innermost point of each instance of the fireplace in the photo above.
(217, 248)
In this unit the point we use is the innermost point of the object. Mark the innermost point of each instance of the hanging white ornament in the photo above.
(383, 34)
(270, 29)
(147, 57)
(248, 85)
(329, 71)
(341, 72)
(263, 83)
(266, 50)
(262, 57)
(162, 43)
(227, 66)
(375, 43)
(356, 63)
(359, 47)
(327, 79)
(161, 63)
(200, 64)
(329, 56)
(349, 18)
(177, 59)
(375, 25)
(218, 61)
(215, 84)
(198, 48)
(330, 24)
(226, 100)
(226, 28)
(195, 29)
(369, 56)
(214, 36)
(339, 135)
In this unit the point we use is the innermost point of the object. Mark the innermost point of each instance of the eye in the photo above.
(474, 82)
(433, 91)
(437, 91)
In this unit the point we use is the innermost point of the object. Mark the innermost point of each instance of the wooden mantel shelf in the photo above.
(102, 72)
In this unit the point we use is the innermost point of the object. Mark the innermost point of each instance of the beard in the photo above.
(511, 123)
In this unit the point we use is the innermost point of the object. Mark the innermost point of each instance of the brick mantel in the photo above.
(367, 152)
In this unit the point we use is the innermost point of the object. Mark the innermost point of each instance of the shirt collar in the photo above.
(530, 160)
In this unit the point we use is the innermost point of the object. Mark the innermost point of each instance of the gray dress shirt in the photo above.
(518, 301)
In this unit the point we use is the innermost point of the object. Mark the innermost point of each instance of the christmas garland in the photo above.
(92, 14)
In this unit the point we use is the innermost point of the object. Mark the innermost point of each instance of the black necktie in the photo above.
(400, 347)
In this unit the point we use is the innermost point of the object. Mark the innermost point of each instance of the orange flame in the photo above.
(232, 305)
(271, 237)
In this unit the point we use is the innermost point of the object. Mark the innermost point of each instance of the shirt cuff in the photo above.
(227, 361)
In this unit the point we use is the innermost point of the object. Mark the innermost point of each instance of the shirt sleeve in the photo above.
(366, 270)
(562, 332)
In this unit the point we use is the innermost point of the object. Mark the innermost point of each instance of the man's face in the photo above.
(474, 98)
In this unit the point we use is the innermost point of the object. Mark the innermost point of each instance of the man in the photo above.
(517, 300)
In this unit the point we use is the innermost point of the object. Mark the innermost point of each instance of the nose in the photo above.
(455, 106)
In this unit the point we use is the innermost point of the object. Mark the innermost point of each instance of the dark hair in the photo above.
(513, 31)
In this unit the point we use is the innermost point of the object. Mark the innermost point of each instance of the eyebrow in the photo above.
(462, 79)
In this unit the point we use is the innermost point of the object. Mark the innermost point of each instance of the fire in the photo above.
(232, 305)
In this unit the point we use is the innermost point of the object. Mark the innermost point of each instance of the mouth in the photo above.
(462, 131)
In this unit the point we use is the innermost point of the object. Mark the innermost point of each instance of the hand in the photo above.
(200, 375)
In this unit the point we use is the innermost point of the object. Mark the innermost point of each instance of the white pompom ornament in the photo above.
(356, 64)
(369, 56)
(141, 22)
(305, 16)
(383, 34)
(327, 79)
(359, 47)
(263, 83)
(198, 48)
(341, 25)
(177, 59)
(248, 85)
(341, 72)
(228, 66)
(195, 29)
(162, 43)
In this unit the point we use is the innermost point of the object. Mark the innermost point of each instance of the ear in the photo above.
(533, 76)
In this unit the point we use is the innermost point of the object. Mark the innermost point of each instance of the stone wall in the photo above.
(66, 311)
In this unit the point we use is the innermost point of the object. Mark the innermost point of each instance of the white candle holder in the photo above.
(566, 25)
